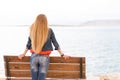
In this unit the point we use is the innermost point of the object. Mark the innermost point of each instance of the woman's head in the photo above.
(39, 32)
(41, 20)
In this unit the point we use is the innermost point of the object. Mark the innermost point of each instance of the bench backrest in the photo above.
(73, 68)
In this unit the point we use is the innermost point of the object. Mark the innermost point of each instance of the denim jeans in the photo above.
(39, 66)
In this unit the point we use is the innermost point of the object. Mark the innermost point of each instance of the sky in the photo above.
(60, 12)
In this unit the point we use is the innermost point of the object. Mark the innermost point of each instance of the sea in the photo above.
(99, 44)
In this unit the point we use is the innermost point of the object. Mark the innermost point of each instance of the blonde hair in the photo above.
(39, 33)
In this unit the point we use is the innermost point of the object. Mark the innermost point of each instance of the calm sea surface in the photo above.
(100, 45)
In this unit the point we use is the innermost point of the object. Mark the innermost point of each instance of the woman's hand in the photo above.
(21, 56)
(66, 57)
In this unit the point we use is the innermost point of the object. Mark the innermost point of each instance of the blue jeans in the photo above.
(39, 66)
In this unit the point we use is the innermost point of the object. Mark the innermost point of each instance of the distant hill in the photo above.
(102, 23)
(94, 23)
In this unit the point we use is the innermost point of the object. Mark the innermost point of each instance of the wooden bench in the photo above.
(74, 68)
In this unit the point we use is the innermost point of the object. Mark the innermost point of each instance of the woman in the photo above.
(40, 45)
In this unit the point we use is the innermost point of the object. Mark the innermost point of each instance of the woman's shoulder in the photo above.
(50, 29)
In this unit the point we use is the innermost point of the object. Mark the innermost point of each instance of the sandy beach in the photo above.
(110, 76)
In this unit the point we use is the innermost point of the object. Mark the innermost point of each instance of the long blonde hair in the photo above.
(39, 33)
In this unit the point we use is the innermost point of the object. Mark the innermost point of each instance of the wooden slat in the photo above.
(15, 59)
(18, 78)
(52, 59)
(71, 60)
(59, 66)
(62, 74)
(24, 78)
(18, 73)
(50, 74)
(65, 67)
(19, 66)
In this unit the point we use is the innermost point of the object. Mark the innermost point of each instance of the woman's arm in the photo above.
(28, 46)
(57, 47)
(63, 55)
(22, 55)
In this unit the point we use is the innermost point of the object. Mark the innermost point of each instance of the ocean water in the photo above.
(100, 45)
